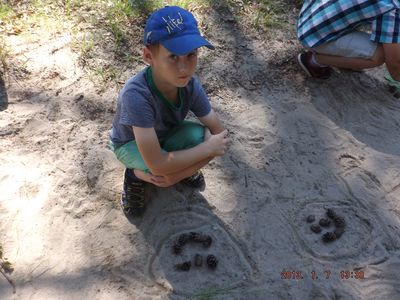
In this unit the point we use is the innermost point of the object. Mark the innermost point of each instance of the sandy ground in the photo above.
(299, 146)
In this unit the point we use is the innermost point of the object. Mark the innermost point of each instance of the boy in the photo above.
(327, 29)
(149, 134)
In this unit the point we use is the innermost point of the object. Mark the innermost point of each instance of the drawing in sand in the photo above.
(304, 203)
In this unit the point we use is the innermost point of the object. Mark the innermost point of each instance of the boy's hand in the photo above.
(148, 177)
(218, 143)
(158, 180)
(164, 181)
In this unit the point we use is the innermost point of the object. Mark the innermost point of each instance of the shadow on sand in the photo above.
(3, 94)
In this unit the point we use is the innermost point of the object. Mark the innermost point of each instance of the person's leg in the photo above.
(132, 198)
(353, 51)
(352, 63)
(186, 136)
(133, 194)
(191, 176)
(392, 59)
(129, 155)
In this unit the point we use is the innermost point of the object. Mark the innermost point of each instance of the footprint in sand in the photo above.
(370, 115)
(371, 189)
(29, 190)
(348, 161)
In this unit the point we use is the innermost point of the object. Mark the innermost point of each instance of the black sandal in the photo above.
(195, 181)
(133, 199)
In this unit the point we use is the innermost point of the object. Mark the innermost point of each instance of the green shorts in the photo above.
(187, 135)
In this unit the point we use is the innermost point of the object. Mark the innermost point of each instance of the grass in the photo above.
(6, 268)
(5, 265)
(298, 3)
(106, 73)
(105, 30)
(117, 30)
(211, 292)
(4, 56)
(266, 14)
(6, 11)
(85, 50)
(7, 14)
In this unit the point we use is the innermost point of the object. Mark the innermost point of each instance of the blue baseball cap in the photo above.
(176, 29)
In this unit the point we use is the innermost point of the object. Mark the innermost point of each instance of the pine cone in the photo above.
(315, 228)
(330, 213)
(324, 222)
(212, 261)
(310, 219)
(329, 237)
(198, 260)
(184, 266)
(207, 241)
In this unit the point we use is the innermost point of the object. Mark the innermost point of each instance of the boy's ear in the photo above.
(147, 55)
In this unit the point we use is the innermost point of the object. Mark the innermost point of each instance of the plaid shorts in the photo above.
(323, 21)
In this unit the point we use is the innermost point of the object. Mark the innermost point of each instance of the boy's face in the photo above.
(171, 69)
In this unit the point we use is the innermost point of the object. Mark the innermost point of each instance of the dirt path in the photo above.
(299, 146)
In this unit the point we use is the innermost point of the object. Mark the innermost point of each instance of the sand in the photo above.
(298, 146)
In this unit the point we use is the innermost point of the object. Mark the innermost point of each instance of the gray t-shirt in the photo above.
(141, 105)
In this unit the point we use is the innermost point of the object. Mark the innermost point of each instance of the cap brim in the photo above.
(185, 44)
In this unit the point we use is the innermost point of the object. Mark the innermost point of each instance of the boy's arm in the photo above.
(212, 122)
(171, 179)
(161, 163)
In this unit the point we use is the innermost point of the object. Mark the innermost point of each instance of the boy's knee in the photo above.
(195, 135)
(187, 136)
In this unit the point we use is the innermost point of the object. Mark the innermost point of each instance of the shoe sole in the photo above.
(302, 65)
(131, 215)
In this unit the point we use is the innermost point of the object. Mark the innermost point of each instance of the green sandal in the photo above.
(394, 85)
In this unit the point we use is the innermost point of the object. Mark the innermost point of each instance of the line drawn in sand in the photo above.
(234, 267)
(368, 224)
(357, 237)
(368, 192)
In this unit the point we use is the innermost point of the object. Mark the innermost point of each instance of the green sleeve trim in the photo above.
(150, 81)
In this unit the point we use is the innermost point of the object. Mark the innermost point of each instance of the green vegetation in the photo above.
(298, 3)
(212, 292)
(85, 49)
(6, 268)
(4, 54)
(105, 73)
(6, 11)
(266, 14)
(5, 265)
(109, 33)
